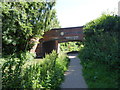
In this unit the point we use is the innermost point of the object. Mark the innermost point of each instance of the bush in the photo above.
(70, 46)
(12, 68)
(101, 44)
(46, 74)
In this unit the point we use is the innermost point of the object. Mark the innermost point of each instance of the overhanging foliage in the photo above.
(23, 21)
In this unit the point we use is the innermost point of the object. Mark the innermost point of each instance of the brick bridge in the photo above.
(51, 39)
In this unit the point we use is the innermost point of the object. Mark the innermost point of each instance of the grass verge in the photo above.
(99, 76)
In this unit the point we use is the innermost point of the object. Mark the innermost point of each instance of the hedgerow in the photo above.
(101, 46)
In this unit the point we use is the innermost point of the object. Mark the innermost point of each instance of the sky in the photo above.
(73, 13)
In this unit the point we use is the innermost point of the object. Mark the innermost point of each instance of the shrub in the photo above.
(12, 68)
(70, 46)
(101, 44)
(47, 74)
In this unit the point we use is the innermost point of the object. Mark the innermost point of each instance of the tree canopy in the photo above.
(23, 21)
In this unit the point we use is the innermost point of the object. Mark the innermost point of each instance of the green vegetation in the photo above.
(24, 21)
(99, 56)
(70, 46)
(47, 74)
(99, 75)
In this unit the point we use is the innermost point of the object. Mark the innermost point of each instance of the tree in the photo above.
(23, 21)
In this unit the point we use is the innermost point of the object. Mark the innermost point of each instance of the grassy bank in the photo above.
(99, 76)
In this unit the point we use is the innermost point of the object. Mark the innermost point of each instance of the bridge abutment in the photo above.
(50, 39)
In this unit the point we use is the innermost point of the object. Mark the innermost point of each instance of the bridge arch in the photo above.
(51, 39)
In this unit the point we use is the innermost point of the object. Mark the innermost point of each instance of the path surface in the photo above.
(73, 76)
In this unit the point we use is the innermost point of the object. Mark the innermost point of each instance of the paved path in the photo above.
(73, 76)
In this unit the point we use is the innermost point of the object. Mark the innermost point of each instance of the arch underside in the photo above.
(51, 39)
